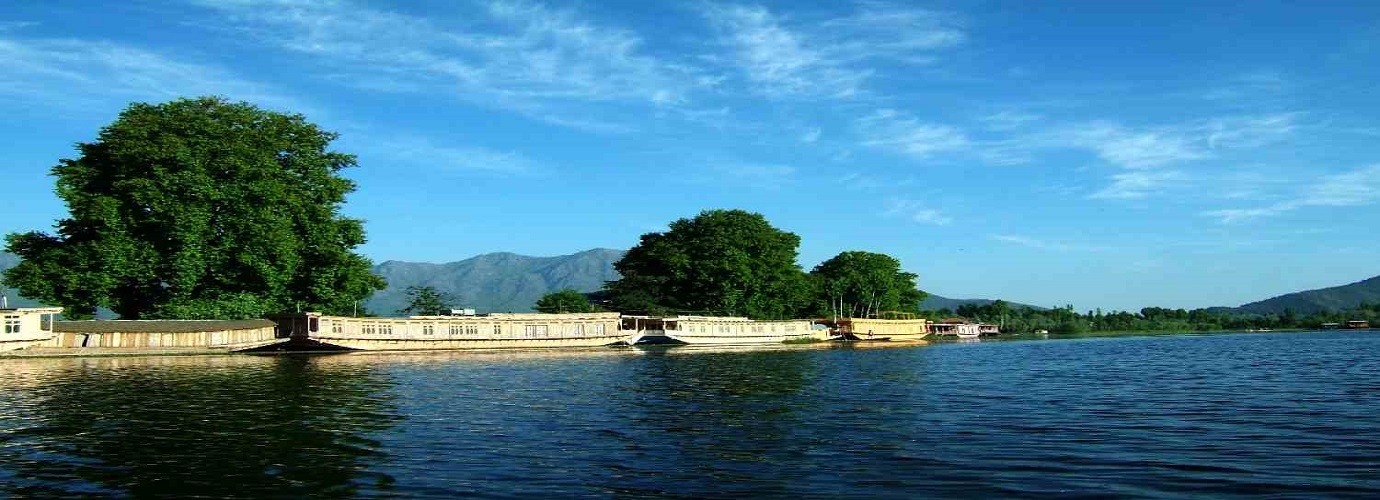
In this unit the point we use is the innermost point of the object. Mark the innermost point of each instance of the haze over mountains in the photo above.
(498, 282)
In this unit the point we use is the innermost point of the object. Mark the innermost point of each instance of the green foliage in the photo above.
(564, 301)
(427, 301)
(1066, 320)
(199, 208)
(722, 262)
(864, 284)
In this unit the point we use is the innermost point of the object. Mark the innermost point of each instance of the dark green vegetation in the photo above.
(199, 208)
(721, 262)
(496, 281)
(865, 284)
(1066, 320)
(427, 301)
(564, 301)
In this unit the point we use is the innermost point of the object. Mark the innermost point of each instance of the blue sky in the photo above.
(1100, 154)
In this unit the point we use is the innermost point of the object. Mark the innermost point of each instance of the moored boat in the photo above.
(896, 330)
(488, 331)
(720, 330)
(25, 327)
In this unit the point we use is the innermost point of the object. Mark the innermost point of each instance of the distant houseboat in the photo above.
(25, 327)
(489, 331)
(716, 330)
(1357, 324)
(895, 330)
(956, 327)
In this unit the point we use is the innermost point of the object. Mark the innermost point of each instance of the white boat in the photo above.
(718, 330)
(25, 327)
(489, 331)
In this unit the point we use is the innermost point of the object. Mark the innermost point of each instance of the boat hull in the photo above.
(393, 343)
(18, 342)
(697, 338)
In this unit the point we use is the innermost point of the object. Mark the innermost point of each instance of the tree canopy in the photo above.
(564, 301)
(860, 284)
(721, 262)
(427, 301)
(199, 208)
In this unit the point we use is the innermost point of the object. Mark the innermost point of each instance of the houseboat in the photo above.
(895, 330)
(952, 328)
(717, 330)
(25, 327)
(487, 331)
(1357, 324)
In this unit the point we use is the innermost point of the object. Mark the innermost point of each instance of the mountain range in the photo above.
(497, 282)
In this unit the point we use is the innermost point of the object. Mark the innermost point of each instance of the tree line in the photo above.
(1066, 320)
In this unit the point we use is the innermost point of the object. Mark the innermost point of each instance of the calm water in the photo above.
(1183, 416)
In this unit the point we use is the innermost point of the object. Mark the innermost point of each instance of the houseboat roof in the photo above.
(32, 310)
(158, 326)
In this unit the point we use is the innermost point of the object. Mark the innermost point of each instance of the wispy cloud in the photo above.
(425, 153)
(899, 132)
(783, 57)
(1040, 244)
(79, 73)
(1136, 184)
(916, 211)
(522, 57)
(1347, 189)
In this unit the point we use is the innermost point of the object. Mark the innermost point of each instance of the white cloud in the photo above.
(1249, 131)
(1137, 184)
(1133, 149)
(526, 58)
(1040, 244)
(426, 153)
(1346, 189)
(892, 130)
(1009, 120)
(810, 136)
(77, 74)
(783, 57)
(917, 211)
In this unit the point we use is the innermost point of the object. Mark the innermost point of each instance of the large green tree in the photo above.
(427, 301)
(723, 262)
(860, 284)
(564, 301)
(200, 208)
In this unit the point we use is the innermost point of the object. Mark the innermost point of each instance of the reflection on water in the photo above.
(232, 426)
(1283, 414)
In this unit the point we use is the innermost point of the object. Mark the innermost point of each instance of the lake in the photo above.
(1290, 414)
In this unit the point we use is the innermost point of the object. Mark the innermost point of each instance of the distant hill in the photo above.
(496, 281)
(935, 303)
(1324, 299)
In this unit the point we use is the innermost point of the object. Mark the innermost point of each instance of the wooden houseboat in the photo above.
(895, 330)
(25, 327)
(717, 330)
(489, 331)
(955, 328)
(162, 336)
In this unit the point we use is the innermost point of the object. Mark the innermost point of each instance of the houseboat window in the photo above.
(535, 330)
(577, 329)
(498, 329)
(11, 324)
(388, 329)
(454, 329)
(337, 328)
(723, 328)
(428, 330)
(596, 329)
(314, 324)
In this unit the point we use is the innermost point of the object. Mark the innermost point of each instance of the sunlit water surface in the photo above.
(1175, 416)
